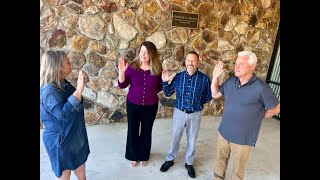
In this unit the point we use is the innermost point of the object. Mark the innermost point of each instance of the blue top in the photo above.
(192, 92)
(65, 135)
(143, 86)
(244, 109)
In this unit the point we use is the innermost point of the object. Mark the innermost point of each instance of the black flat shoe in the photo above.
(190, 169)
(166, 165)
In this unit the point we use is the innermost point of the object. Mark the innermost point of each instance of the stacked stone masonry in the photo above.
(95, 33)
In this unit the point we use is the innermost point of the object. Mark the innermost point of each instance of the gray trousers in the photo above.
(192, 124)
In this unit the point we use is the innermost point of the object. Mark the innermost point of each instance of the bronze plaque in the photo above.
(183, 19)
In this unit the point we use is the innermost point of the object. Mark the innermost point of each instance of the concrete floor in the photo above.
(107, 144)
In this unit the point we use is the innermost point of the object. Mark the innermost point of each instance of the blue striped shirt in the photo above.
(192, 92)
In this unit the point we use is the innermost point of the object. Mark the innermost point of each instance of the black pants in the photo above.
(139, 144)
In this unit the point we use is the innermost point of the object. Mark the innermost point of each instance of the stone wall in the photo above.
(95, 33)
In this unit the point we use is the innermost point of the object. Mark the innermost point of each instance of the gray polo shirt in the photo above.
(244, 109)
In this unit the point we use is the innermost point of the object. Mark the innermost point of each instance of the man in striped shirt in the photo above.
(192, 89)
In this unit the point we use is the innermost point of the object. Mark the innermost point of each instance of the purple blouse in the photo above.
(143, 86)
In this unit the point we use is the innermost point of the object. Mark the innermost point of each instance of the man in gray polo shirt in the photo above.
(247, 101)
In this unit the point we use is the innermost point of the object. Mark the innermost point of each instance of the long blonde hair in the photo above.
(50, 70)
(154, 61)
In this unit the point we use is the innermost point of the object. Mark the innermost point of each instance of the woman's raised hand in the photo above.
(82, 77)
(122, 64)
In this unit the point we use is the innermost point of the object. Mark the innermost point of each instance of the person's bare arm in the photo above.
(273, 111)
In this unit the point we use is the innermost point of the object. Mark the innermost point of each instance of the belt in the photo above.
(187, 111)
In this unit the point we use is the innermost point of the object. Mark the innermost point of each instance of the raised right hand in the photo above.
(122, 64)
(165, 75)
(218, 69)
(81, 81)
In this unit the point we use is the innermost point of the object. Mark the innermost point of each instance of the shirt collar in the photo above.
(253, 78)
(196, 72)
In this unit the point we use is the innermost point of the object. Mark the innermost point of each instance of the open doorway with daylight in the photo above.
(273, 77)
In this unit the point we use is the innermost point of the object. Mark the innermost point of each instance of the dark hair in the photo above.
(193, 52)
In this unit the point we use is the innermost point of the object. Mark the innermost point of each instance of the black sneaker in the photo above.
(190, 169)
(166, 165)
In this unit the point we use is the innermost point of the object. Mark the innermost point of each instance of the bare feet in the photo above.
(133, 163)
(143, 163)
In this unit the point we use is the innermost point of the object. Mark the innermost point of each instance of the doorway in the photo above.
(273, 77)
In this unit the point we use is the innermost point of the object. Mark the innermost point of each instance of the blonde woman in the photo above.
(62, 114)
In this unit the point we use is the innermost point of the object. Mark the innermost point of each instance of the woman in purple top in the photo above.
(144, 78)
